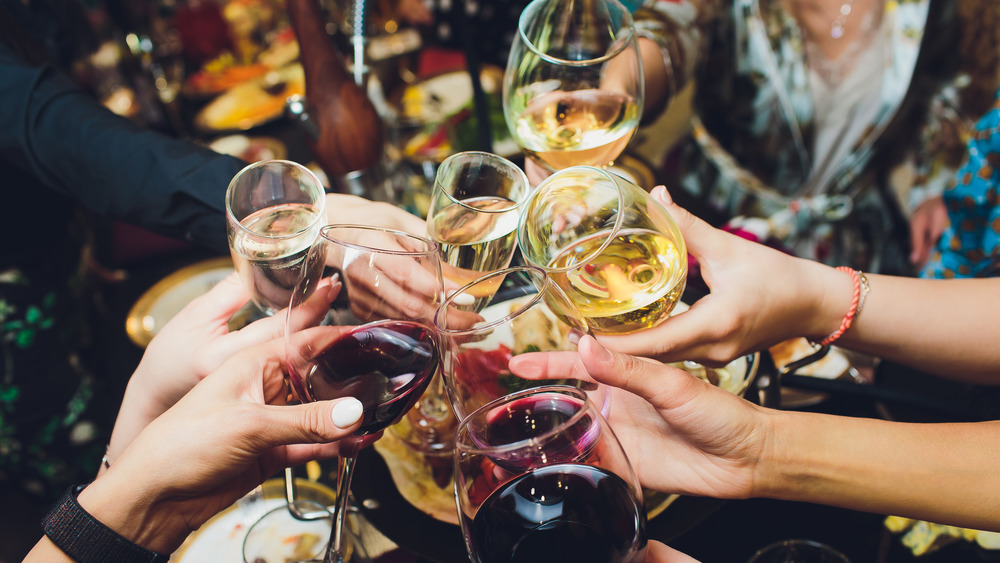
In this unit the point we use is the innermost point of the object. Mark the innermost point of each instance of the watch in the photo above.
(86, 540)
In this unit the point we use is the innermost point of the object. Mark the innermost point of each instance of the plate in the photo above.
(250, 149)
(168, 296)
(250, 104)
(220, 540)
(834, 365)
(635, 170)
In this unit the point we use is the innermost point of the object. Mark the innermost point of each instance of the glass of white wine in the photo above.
(615, 251)
(473, 215)
(274, 211)
(573, 88)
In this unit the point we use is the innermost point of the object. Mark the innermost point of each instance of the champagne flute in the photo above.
(274, 210)
(540, 476)
(473, 215)
(375, 342)
(530, 314)
(612, 248)
(573, 89)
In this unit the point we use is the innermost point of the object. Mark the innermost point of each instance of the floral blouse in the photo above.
(754, 126)
(970, 246)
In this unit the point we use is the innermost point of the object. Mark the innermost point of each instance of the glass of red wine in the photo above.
(540, 476)
(525, 312)
(374, 342)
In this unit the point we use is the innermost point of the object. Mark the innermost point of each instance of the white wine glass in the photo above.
(614, 249)
(540, 476)
(274, 210)
(573, 88)
(473, 214)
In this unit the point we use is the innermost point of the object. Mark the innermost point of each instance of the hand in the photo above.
(680, 433)
(759, 297)
(353, 210)
(928, 222)
(657, 552)
(226, 436)
(190, 346)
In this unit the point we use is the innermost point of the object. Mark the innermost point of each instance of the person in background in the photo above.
(686, 436)
(824, 127)
(970, 245)
(69, 165)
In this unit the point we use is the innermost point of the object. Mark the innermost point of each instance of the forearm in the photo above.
(944, 327)
(943, 473)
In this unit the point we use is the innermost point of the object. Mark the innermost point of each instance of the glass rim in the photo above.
(430, 250)
(320, 205)
(630, 41)
(488, 156)
(535, 298)
(554, 389)
(619, 219)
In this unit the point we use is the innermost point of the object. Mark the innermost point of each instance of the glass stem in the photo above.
(335, 549)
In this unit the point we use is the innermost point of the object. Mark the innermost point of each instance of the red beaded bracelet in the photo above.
(849, 317)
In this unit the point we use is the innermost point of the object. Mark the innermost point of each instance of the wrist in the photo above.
(835, 293)
(139, 515)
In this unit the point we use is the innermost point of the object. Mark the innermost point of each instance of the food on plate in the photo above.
(252, 103)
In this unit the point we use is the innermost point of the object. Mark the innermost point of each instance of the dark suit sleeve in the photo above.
(52, 130)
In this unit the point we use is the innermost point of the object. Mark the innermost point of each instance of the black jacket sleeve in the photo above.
(57, 134)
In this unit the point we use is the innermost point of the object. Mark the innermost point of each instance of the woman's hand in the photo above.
(759, 297)
(928, 222)
(681, 434)
(353, 210)
(226, 436)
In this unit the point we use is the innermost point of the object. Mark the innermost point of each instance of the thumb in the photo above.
(224, 299)
(310, 423)
(646, 378)
(698, 235)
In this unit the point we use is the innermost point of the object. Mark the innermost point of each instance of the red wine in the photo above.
(386, 365)
(533, 417)
(565, 512)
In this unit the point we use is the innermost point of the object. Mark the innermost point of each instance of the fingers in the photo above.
(549, 365)
(657, 552)
(699, 236)
(321, 422)
(650, 380)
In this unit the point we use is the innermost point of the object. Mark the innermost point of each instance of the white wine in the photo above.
(270, 267)
(633, 284)
(584, 127)
(476, 236)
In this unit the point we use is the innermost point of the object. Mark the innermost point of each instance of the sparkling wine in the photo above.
(564, 512)
(584, 127)
(476, 236)
(386, 365)
(270, 267)
(535, 417)
(633, 284)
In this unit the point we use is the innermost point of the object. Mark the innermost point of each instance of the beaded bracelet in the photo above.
(856, 301)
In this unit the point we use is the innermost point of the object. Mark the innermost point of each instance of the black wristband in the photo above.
(86, 540)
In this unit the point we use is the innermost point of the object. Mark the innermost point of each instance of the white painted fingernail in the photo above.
(346, 412)
(463, 299)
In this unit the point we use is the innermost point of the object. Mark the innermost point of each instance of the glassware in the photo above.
(374, 343)
(540, 476)
(573, 88)
(798, 551)
(274, 210)
(529, 314)
(473, 215)
(612, 248)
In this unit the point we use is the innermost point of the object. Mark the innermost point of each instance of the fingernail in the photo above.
(661, 193)
(463, 299)
(599, 352)
(347, 412)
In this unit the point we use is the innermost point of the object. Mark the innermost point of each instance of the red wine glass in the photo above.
(374, 342)
(540, 476)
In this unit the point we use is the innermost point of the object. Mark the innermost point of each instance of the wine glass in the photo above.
(374, 342)
(473, 215)
(612, 248)
(540, 476)
(528, 313)
(274, 210)
(573, 88)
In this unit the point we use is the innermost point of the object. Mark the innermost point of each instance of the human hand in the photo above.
(928, 222)
(657, 552)
(351, 209)
(226, 436)
(759, 297)
(681, 434)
